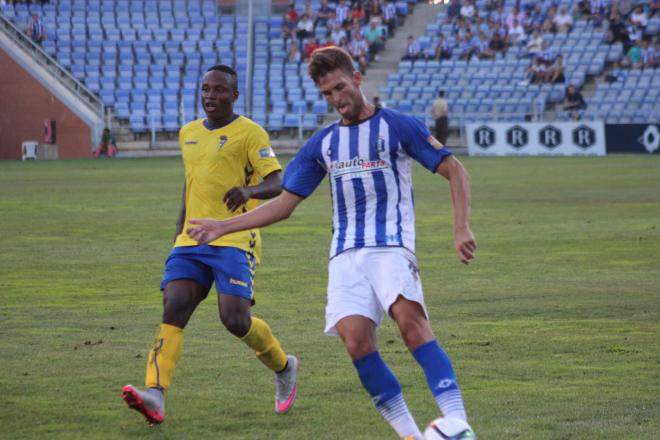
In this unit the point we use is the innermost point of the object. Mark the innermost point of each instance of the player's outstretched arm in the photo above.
(459, 182)
(270, 187)
(280, 208)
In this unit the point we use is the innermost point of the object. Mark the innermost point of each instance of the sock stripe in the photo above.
(393, 408)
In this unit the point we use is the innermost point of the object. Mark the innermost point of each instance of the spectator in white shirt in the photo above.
(563, 20)
(516, 33)
(638, 17)
(535, 44)
(468, 10)
(305, 27)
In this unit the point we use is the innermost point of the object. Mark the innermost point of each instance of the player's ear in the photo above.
(357, 77)
(235, 93)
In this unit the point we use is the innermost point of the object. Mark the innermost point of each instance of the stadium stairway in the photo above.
(415, 24)
(66, 88)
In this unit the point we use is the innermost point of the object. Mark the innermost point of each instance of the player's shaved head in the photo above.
(229, 71)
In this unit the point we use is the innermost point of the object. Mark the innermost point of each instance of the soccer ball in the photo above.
(448, 429)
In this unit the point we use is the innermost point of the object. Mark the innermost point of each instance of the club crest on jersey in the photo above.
(221, 143)
(436, 143)
(380, 145)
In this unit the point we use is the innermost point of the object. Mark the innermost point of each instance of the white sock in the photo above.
(451, 404)
(396, 412)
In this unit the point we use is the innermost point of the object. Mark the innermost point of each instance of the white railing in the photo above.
(64, 76)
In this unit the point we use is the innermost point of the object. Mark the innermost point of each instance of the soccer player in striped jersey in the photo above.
(225, 157)
(368, 155)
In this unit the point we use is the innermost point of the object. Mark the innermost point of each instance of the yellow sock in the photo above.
(260, 338)
(163, 356)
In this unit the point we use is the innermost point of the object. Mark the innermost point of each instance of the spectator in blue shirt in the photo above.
(36, 30)
(453, 11)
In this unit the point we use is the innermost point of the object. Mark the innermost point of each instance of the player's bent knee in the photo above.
(358, 348)
(237, 324)
(415, 333)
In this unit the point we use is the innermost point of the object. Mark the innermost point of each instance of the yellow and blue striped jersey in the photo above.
(215, 160)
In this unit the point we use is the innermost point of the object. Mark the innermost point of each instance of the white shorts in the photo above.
(367, 281)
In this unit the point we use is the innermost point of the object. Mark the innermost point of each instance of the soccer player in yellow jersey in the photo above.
(228, 164)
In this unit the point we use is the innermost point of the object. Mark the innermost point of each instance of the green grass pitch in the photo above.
(554, 330)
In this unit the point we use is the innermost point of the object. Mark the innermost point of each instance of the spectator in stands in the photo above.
(107, 146)
(468, 47)
(574, 102)
(357, 13)
(514, 18)
(624, 7)
(635, 32)
(654, 8)
(311, 46)
(563, 20)
(538, 17)
(453, 11)
(389, 17)
(583, 10)
(547, 54)
(639, 18)
(491, 5)
(442, 48)
(598, 12)
(534, 44)
(288, 27)
(498, 42)
(536, 72)
(323, 14)
(618, 32)
(499, 16)
(374, 36)
(36, 30)
(555, 71)
(338, 34)
(359, 50)
(649, 56)
(440, 111)
(304, 28)
(549, 23)
(292, 13)
(468, 10)
(484, 52)
(374, 11)
(377, 103)
(633, 57)
(310, 11)
(480, 25)
(343, 12)
(516, 33)
(293, 54)
(413, 51)
(332, 22)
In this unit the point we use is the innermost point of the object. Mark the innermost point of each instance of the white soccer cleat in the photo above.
(286, 386)
(449, 429)
(149, 403)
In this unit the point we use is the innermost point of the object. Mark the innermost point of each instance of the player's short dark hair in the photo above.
(327, 59)
(228, 70)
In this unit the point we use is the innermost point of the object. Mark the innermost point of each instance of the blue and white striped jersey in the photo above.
(369, 168)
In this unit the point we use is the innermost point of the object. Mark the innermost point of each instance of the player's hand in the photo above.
(465, 245)
(205, 230)
(237, 197)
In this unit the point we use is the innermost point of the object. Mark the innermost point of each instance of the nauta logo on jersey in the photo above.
(222, 142)
(356, 165)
